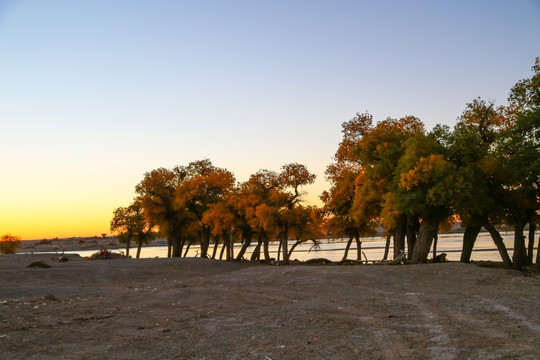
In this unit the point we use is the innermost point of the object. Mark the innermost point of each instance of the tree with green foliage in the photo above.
(425, 179)
(476, 193)
(518, 150)
(379, 151)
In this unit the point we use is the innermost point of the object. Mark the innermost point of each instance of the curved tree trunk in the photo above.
(346, 254)
(139, 246)
(387, 247)
(247, 242)
(469, 238)
(428, 229)
(399, 235)
(298, 242)
(498, 240)
(530, 248)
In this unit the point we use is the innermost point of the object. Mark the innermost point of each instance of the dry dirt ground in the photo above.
(192, 308)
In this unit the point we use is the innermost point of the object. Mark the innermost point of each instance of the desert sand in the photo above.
(192, 308)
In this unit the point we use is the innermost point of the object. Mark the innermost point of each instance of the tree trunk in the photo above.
(265, 247)
(228, 239)
(176, 246)
(520, 255)
(187, 248)
(247, 242)
(538, 256)
(216, 244)
(169, 246)
(530, 249)
(222, 250)
(204, 241)
(256, 254)
(399, 235)
(284, 239)
(469, 238)
(358, 248)
(435, 240)
(346, 254)
(428, 229)
(139, 246)
(387, 247)
(182, 243)
(298, 242)
(231, 247)
(128, 242)
(498, 240)
(412, 227)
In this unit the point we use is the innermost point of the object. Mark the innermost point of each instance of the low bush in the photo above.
(9, 244)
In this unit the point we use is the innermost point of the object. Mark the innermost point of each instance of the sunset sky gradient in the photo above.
(93, 94)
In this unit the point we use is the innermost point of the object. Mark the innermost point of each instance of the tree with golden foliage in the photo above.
(156, 195)
(221, 221)
(292, 178)
(204, 185)
(257, 196)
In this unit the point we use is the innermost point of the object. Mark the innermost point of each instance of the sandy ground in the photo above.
(192, 308)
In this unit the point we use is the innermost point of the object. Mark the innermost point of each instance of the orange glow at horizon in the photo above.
(72, 206)
(66, 211)
(38, 223)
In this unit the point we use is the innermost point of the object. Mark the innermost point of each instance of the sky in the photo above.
(93, 94)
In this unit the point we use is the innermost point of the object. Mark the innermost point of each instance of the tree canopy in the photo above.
(392, 175)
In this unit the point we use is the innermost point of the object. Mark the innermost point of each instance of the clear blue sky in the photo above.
(95, 93)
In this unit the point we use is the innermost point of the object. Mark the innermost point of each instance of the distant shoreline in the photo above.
(450, 243)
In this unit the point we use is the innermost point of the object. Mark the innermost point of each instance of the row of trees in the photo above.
(485, 172)
(201, 203)
(394, 174)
